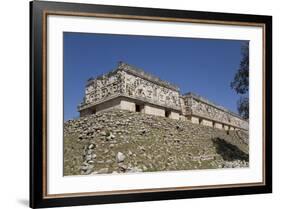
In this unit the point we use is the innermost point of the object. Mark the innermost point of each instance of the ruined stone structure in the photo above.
(201, 111)
(129, 88)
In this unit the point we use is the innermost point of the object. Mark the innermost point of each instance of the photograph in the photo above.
(134, 104)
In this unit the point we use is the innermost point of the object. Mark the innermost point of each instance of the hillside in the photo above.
(120, 141)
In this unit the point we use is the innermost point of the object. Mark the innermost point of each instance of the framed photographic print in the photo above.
(140, 104)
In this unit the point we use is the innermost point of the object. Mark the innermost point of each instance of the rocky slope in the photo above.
(119, 141)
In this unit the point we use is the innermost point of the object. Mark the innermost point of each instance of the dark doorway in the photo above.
(139, 108)
(167, 113)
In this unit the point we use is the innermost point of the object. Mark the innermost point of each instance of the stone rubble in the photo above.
(120, 157)
(119, 141)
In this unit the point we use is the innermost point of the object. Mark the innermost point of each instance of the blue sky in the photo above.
(202, 66)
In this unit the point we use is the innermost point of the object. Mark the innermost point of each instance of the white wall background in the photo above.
(14, 102)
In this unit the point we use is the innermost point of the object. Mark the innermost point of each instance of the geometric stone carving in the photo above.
(198, 106)
(130, 88)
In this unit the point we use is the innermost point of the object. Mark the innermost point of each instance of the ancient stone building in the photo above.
(132, 89)
(201, 111)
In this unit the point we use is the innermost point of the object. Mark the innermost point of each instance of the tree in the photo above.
(240, 83)
(243, 107)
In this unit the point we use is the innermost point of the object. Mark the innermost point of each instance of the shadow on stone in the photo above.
(229, 152)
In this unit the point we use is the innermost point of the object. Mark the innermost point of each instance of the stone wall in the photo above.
(153, 110)
(104, 106)
(200, 107)
(174, 115)
(108, 105)
(126, 104)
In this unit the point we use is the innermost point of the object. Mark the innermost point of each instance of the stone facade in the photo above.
(201, 108)
(129, 88)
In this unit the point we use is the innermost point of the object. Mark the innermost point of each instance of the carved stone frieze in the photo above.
(148, 91)
(205, 109)
(141, 87)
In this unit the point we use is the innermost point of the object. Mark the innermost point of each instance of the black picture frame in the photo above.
(38, 12)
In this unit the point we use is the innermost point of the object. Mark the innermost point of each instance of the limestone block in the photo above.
(174, 115)
(206, 122)
(218, 125)
(108, 105)
(127, 105)
(151, 110)
(231, 129)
